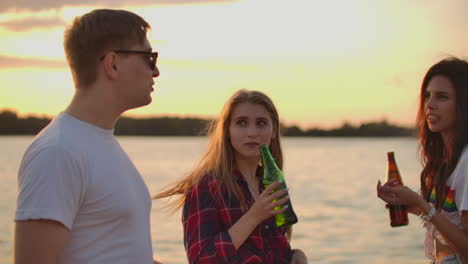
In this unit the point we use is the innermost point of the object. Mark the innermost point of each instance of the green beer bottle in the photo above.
(271, 174)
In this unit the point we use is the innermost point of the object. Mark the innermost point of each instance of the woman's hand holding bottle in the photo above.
(263, 207)
(400, 196)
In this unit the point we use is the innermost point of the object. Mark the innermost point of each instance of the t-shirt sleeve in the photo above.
(51, 186)
(461, 183)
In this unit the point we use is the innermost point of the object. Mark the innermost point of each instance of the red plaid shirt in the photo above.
(210, 210)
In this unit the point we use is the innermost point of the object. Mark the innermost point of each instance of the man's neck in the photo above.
(93, 109)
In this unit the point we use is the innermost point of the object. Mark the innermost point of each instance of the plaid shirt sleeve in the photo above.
(205, 239)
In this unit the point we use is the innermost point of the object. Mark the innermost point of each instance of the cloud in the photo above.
(32, 23)
(8, 62)
(36, 5)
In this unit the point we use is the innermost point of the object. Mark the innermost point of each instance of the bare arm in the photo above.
(465, 229)
(39, 241)
(403, 195)
(261, 210)
(457, 239)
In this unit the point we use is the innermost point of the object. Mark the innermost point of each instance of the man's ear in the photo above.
(110, 65)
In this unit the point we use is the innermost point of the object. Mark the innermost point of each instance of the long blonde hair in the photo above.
(218, 159)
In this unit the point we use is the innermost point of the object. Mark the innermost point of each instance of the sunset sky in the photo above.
(321, 61)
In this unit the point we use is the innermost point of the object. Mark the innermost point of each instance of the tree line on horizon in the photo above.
(12, 124)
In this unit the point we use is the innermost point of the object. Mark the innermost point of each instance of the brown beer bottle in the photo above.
(398, 213)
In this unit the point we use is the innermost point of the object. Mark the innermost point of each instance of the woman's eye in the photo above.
(241, 122)
(443, 96)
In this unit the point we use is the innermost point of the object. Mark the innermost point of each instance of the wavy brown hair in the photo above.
(218, 160)
(440, 160)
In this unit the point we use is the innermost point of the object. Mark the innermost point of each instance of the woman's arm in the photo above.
(457, 239)
(260, 210)
(206, 241)
(403, 195)
(464, 218)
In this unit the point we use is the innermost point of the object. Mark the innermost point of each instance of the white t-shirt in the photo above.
(455, 202)
(77, 174)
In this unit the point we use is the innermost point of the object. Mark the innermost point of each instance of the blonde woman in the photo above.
(228, 216)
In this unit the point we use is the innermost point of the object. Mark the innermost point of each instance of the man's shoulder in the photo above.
(50, 138)
(45, 153)
(57, 139)
(63, 132)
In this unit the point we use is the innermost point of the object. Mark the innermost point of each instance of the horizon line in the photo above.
(343, 123)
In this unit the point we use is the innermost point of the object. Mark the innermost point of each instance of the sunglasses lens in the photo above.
(152, 62)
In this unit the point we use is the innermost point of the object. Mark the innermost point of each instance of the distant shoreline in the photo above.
(11, 124)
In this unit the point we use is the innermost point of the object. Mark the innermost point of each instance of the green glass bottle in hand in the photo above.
(271, 174)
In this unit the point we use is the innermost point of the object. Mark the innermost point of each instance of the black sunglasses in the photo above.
(151, 57)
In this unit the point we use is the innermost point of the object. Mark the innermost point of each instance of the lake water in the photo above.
(332, 187)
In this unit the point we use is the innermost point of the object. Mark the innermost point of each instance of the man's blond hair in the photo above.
(93, 34)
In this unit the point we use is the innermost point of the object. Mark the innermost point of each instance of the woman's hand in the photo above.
(298, 257)
(263, 207)
(399, 195)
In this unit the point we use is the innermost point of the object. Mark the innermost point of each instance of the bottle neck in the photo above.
(267, 158)
(392, 170)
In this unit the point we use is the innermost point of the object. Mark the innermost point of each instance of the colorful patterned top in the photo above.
(449, 204)
(210, 210)
(456, 201)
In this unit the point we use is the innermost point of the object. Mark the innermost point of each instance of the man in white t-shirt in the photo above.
(81, 199)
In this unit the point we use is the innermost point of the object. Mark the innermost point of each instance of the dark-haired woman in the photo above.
(443, 132)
